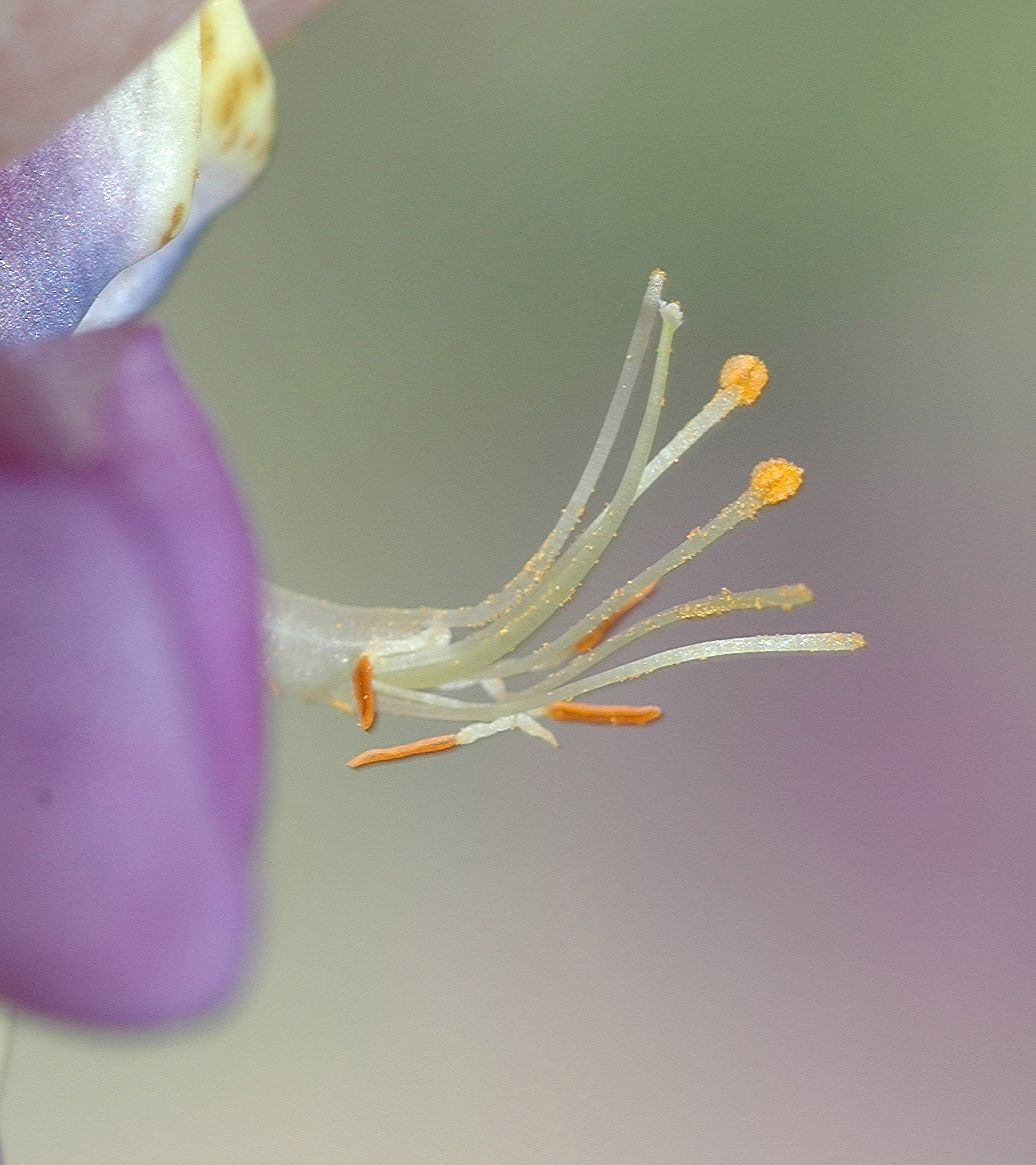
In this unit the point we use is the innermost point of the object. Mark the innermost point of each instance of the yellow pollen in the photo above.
(747, 375)
(776, 481)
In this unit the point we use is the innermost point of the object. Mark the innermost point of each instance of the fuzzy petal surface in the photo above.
(57, 59)
(96, 221)
(130, 692)
(236, 131)
(100, 195)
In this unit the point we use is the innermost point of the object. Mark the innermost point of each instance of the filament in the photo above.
(493, 605)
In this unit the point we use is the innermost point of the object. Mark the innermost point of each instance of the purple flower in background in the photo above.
(130, 714)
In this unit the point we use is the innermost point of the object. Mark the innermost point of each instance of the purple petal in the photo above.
(130, 692)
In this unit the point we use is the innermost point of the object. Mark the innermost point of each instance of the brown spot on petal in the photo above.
(208, 39)
(229, 106)
(175, 223)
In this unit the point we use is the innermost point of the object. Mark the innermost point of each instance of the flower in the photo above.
(131, 705)
(130, 712)
(100, 217)
(135, 211)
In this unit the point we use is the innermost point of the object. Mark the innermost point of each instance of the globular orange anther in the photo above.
(776, 480)
(746, 375)
(374, 756)
(363, 691)
(625, 715)
(607, 626)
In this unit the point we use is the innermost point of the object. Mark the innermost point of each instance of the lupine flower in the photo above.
(99, 217)
(130, 718)
(129, 780)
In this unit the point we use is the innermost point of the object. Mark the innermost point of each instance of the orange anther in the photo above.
(776, 481)
(363, 691)
(374, 756)
(621, 714)
(747, 375)
(607, 626)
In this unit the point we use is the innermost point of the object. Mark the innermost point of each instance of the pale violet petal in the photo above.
(107, 190)
(237, 128)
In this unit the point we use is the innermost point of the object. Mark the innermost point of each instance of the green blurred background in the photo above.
(794, 921)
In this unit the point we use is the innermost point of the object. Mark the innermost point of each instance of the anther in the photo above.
(363, 692)
(672, 313)
(607, 626)
(776, 480)
(374, 756)
(625, 715)
(746, 375)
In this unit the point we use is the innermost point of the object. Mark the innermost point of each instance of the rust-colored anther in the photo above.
(603, 630)
(363, 691)
(374, 756)
(626, 715)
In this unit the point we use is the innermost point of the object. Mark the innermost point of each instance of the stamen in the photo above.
(696, 652)
(494, 605)
(377, 756)
(363, 691)
(626, 715)
(562, 686)
(741, 382)
(773, 478)
(608, 625)
(777, 480)
(784, 598)
(747, 375)
(557, 585)
(316, 647)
